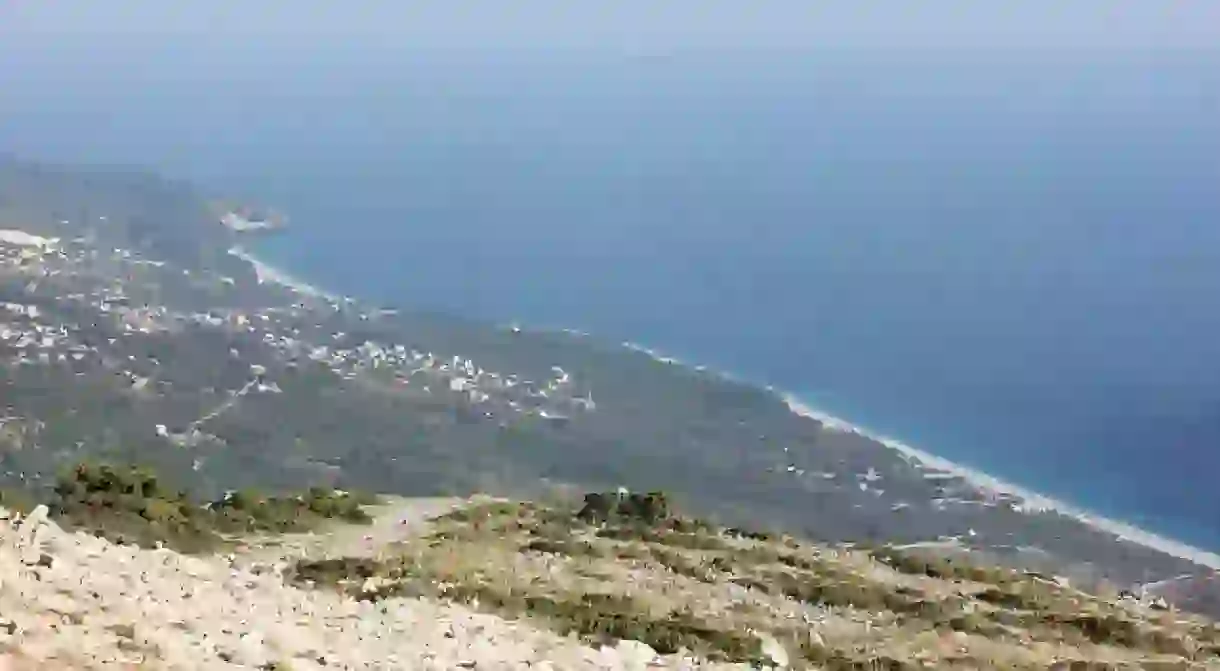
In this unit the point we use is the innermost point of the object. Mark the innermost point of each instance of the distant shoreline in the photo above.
(1032, 502)
(267, 272)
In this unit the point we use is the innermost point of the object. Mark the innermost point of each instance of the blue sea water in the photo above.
(1010, 260)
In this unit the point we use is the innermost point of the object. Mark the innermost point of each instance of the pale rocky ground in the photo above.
(73, 601)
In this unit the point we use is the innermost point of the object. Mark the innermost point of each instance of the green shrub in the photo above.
(750, 534)
(571, 548)
(680, 564)
(624, 533)
(631, 551)
(548, 530)
(798, 561)
(699, 540)
(129, 504)
(1118, 630)
(689, 541)
(335, 571)
(606, 618)
(330, 504)
(690, 525)
(251, 511)
(495, 511)
(18, 500)
(838, 660)
(942, 567)
(1026, 596)
(648, 509)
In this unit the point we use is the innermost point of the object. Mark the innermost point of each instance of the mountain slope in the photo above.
(619, 582)
(137, 337)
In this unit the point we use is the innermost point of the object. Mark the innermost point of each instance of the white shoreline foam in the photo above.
(657, 356)
(1031, 502)
(269, 273)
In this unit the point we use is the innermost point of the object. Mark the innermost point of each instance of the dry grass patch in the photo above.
(619, 567)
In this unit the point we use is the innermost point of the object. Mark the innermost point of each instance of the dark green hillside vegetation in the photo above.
(122, 206)
(131, 504)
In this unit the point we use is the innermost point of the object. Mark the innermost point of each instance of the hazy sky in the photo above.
(624, 24)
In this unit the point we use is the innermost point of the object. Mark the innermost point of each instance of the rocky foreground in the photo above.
(613, 584)
(74, 601)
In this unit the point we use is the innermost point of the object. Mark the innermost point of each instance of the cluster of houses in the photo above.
(44, 272)
(289, 333)
(70, 302)
(288, 330)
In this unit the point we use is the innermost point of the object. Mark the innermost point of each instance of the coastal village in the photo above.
(98, 286)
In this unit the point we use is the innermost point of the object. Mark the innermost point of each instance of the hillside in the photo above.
(616, 581)
(132, 335)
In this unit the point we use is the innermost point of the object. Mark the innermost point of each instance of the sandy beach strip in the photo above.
(269, 273)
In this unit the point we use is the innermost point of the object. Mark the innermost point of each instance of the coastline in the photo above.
(1031, 502)
(269, 273)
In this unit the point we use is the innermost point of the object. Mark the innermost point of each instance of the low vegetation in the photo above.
(627, 566)
(940, 566)
(130, 504)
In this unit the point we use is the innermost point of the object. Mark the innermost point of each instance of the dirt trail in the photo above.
(395, 519)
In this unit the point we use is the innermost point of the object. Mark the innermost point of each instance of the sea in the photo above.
(1008, 259)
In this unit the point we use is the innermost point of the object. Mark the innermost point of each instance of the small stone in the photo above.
(773, 649)
(37, 516)
(32, 557)
(635, 653)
